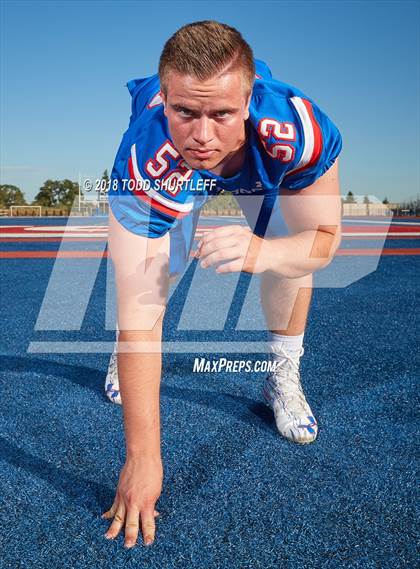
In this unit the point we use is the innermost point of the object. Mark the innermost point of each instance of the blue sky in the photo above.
(64, 65)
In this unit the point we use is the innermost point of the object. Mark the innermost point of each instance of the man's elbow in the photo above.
(335, 244)
(327, 241)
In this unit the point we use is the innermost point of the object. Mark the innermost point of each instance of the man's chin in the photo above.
(208, 164)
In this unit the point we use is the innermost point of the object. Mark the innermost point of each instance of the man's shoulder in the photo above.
(277, 124)
(267, 85)
(277, 100)
(145, 95)
(148, 125)
(295, 136)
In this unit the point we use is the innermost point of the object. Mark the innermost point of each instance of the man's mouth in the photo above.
(201, 153)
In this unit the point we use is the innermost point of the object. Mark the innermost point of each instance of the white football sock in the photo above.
(292, 344)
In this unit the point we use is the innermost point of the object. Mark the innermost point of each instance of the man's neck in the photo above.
(234, 161)
(231, 164)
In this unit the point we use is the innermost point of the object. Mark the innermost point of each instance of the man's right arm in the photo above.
(141, 269)
(142, 280)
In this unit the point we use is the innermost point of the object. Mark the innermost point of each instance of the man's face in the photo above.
(206, 118)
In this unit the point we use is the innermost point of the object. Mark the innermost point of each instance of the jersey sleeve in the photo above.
(140, 204)
(262, 71)
(145, 94)
(319, 144)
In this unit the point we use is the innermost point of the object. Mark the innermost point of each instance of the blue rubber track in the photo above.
(236, 495)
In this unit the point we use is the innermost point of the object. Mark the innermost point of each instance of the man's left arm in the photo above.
(313, 218)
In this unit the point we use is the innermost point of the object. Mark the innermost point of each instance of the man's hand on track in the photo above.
(139, 488)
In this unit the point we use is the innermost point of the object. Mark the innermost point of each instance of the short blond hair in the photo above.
(203, 49)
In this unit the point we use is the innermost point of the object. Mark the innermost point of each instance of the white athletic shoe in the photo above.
(112, 387)
(283, 393)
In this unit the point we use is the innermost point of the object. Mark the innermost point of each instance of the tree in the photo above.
(385, 201)
(412, 204)
(56, 193)
(366, 201)
(11, 195)
(350, 198)
(223, 202)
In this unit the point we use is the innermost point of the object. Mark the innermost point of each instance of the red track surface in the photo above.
(96, 254)
(68, 234)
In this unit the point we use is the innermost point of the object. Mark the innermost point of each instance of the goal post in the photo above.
(28, 210)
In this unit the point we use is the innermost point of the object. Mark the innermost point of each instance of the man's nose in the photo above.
(203, 132)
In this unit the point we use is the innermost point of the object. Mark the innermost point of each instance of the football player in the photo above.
(214, 119)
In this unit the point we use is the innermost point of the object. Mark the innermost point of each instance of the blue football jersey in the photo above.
(290, 143)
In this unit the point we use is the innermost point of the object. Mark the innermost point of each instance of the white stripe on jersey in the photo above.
(308, 133)
(152, 193)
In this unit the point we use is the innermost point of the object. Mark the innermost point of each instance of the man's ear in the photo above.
(162, 94)
(248, 101)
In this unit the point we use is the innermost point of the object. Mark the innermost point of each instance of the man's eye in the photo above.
(222, 114)
(185, 112)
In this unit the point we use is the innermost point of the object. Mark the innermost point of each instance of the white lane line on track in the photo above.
(68, 229)
(45, 236)
(372, 222)
(172, 347)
